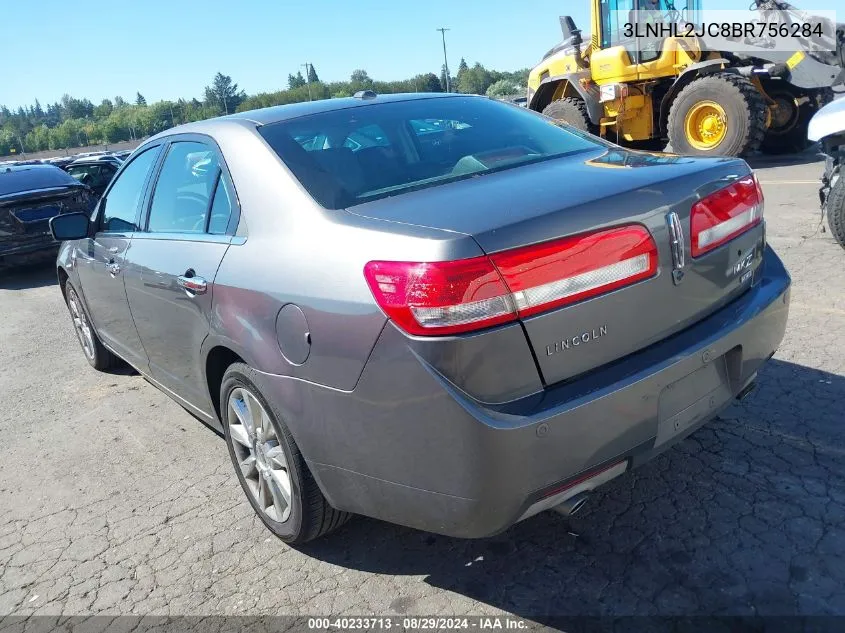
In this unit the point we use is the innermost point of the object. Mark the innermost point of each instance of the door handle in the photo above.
(113, 268)
(193, 284)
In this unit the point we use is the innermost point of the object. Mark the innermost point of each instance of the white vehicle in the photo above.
(828, 128)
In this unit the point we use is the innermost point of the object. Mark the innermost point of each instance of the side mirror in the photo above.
(571, 33)
(70, 226)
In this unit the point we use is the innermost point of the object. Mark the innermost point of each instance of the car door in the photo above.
(100, 260)
(173, 262)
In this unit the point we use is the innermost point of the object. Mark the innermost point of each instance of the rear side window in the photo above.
(120, 207)
(221, 207)
(184, 189)
(351, 156)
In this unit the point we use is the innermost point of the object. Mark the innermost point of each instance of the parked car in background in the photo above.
(828, 128)
(29, 196)
(444, 312)
(96, 172)
(61, 161)
(90, 154)
(104, 158)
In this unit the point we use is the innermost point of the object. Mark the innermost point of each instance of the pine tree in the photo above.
(312, 74)
(463, 67)
(224, 94)
(295, 81)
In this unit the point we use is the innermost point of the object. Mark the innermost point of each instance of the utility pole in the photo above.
(445, 60)
(308, 79)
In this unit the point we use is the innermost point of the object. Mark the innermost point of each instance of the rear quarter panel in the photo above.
(291, 251)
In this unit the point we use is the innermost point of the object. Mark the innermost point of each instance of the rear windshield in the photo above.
(19, 179)
(351, 156)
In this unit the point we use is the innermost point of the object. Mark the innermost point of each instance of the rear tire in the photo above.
(790, 136)
(572, 112)
(792, 142)
(95, 352)
(836, 211)
(744, 113)
(269, 466)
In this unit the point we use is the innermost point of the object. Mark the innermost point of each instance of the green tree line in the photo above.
(73, 122)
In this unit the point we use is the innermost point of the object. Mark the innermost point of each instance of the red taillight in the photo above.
(725, 214)
(549, 275)
(441, 297)
(438, 298)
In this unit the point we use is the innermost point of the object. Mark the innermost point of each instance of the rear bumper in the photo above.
(407, 447)
(15, 251)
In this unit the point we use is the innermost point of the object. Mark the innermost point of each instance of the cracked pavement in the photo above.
(115, 500)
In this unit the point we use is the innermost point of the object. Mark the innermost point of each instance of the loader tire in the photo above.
(792, 142)
(722, 114)
(836, 211)
(787, 133)
(572, 112)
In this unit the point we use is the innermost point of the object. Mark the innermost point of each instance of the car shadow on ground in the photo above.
(743, 518)
(34, 275)
(786, 160)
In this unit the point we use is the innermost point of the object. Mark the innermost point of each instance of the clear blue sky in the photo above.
(171, 48)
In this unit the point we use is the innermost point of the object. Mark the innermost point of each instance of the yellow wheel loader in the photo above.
(639, 91)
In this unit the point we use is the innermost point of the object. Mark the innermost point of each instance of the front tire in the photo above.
(572, 112)
(95, 352)
(269, 466)
(836, 211)
(722, 114)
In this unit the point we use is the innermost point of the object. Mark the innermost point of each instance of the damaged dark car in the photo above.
(29, 196)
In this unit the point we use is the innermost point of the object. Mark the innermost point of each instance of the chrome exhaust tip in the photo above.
(747, 391)
(572, 505)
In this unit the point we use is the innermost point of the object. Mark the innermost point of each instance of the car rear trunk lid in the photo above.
(25, 216)
(576, 195)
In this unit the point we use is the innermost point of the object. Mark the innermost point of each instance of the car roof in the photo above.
(96, 160)
(276, 114)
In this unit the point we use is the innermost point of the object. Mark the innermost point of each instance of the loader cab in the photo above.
(627, 48)
(614, 14)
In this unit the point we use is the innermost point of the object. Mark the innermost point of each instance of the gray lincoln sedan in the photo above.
(438, 310)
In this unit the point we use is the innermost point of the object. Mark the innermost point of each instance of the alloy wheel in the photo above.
(259, 454)
(80, 324)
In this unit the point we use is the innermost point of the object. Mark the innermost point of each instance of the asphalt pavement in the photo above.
(115, 500)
